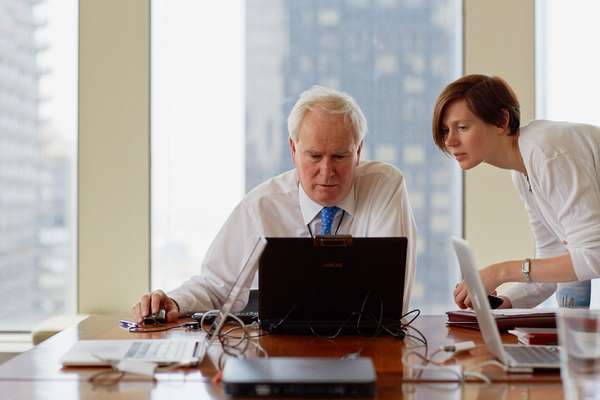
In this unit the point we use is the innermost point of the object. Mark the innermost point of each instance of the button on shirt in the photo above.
(377, 206)
(563, 163)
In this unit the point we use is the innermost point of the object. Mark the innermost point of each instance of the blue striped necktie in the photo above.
(327, 215)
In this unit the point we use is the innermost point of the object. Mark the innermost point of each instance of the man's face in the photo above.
(325, 157)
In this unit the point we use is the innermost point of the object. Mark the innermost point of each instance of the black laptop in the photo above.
(331, 285)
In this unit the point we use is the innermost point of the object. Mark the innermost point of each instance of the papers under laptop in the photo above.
(518, 358)
(165, 351)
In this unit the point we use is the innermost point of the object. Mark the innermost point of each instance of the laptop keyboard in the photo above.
(168, 350)
(533, 354)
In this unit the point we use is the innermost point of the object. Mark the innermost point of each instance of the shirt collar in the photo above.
(310, 209)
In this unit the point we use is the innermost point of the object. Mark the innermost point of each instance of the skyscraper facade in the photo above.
(394, 57)
(36, 175)
(19, 159)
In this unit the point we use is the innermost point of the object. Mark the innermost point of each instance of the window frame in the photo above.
(114, 200)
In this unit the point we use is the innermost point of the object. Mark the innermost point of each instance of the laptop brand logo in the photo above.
(332, 264)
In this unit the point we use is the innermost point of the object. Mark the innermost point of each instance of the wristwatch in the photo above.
(526, 269)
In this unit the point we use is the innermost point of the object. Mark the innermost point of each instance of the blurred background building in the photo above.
(393, 57)
(36, 178)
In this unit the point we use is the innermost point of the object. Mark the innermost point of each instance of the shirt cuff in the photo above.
(581, 265)
(188, 301)
(528, 295)
(184, 309)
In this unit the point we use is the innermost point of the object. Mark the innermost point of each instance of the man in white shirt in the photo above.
(330, 191)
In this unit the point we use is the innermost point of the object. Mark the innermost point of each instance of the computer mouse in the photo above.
(495, 301)
(157, 318)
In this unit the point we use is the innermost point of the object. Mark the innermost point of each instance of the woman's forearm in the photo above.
(551, 269)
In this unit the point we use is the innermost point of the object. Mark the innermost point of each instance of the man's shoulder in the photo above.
(284, 184)
(378, 170)
(546, 140)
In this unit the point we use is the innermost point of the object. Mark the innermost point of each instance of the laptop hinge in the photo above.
(332, 241)
(196, 349)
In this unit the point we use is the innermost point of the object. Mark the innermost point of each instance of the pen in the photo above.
(127, 324)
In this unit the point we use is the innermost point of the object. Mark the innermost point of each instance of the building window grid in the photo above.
(294, 45)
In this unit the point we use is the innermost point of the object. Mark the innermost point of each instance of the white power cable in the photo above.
(440, 365)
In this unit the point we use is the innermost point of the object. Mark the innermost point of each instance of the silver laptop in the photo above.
(161, 352)
(165, 351)
(518, 358)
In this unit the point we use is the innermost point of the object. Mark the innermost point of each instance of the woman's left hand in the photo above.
(490, 277)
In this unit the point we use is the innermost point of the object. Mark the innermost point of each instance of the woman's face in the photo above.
(468, 138)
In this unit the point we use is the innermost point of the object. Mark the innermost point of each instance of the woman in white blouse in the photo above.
(556, 170)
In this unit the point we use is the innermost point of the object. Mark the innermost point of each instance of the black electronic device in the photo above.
(299, 377)
(247, 317)
(332, 284)
(157, 318)
(495, 301)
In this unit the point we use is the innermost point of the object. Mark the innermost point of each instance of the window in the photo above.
(38, 122)
(567, 66)
(567, 61)
(225, 76)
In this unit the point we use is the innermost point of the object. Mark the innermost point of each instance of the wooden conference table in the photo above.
(37, 374)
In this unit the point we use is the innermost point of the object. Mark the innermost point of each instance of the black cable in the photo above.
(337, 332)
(282, 320)
(416, 311)
(362, 310)
(397, 331)
(340, 328)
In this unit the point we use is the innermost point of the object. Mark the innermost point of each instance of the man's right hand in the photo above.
(151, 303)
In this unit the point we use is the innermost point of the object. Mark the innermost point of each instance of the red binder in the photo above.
(510, 320)
(546, 336)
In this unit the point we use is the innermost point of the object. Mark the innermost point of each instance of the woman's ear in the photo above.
(506, 119)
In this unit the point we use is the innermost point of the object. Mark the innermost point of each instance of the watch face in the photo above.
(525, 268)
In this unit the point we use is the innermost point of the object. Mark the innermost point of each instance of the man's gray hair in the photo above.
(331, 101)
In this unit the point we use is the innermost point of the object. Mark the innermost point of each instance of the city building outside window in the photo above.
(224, 78)
(38, 127)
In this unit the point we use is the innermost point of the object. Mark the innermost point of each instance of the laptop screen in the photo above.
(470, 273)
(330, 281)
(242, 284)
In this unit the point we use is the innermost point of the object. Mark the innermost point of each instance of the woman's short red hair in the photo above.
(488, 97)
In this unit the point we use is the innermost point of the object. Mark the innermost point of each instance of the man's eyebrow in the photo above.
(335, 153)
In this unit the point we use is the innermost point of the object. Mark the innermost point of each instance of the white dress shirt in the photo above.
(562, 198)
(377, 206)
